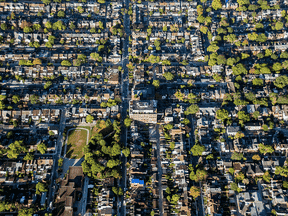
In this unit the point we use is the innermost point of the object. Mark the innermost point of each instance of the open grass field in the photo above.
(77, 139)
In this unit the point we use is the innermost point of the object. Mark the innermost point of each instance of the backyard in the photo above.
(77, 139)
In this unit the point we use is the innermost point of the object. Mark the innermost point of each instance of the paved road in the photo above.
(159, 171)
(125, 105)
(57, 156)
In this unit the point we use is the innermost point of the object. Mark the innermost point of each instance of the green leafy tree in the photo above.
(239, 69)
(42, 148)
(89, 118)
(40, 188)
(26, 211)
(112, 163)
(66, 63)
(192, 109)
(277, 66)
(284, 55)
(96, 57)
(15, 99)
(212, 48)
(257, 82)
(61, 13)
(127, 122)
(264, 149)
(15, 149)
(216, 4)
(3, 26)
(60, 162)
(267, 177)
(278, 25)
(256, 115)
(116, 150)
(46, 2)
(117, 191)
(281, 81)
(28, 156)
(168, 76)
(231, 171)
(47, 84)
(242, 116)
(156, 83)
(222, 114)
(197, 150)
(126, 152)
(235, 187)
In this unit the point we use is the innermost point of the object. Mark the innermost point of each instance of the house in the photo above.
(232, 130)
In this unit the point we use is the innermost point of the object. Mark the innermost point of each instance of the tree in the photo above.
(199, 176)
(277, 66)
(126, 152)
(116, 150)
(117, 191)
(216, 4)
(239, 177)
(231, 171)
(37, 61)
(264, 149)
(34, 99)
(15, 149)
(284, 55)
(89, 118)
(250, 96)
(28, 156)
(222, 114)
(168, 126)
(42, 148)
(256, 114)
(96, 57)
(239, 69)
(61, 13)
(165, 28)
(127, 122)
(194, 192)
(112, 163)
(285, 184)
(27, 29)
(46, 2)
(168, 76)
(156, 83)
(197, 150)
(235, 187)
(60, 162)
(40, 188)
(26, 211)
(281, 81)
(242, 116)
(66, 63)
(257, 82)
(47, 84)
(15, 99)
(278, 25)
(3, 26)
(192, 109)
(267, 177)
(212, 48)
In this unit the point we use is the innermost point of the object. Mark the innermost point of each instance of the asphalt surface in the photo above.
(121, 209)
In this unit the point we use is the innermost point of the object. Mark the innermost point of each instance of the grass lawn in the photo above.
(77, 139)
